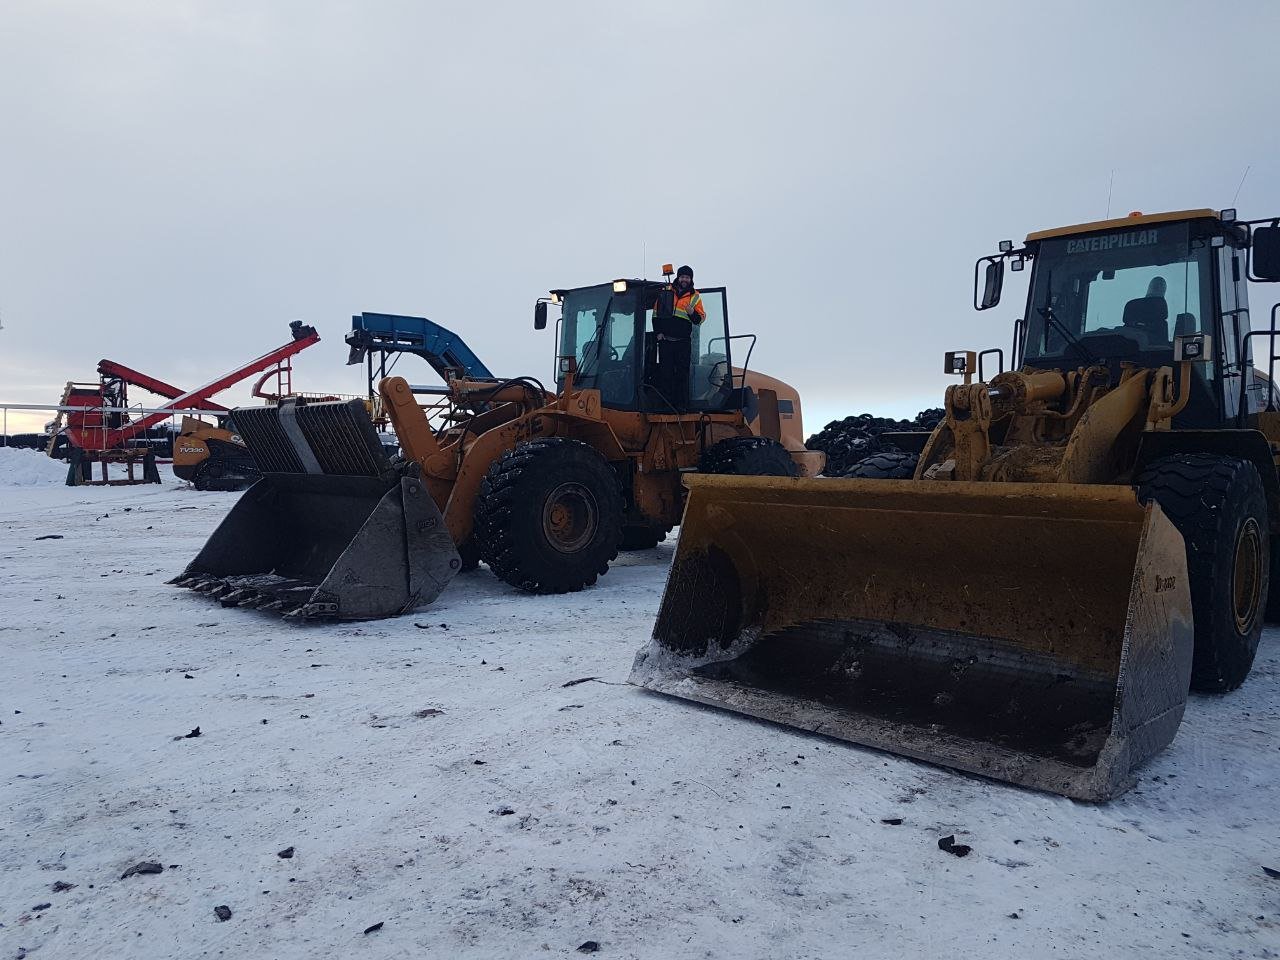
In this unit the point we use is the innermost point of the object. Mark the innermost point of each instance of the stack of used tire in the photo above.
(855, 447)
(26, 441)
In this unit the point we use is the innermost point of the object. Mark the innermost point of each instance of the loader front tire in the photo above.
(890, 465)
(548, 518)
(748, 457)
(1219, 506)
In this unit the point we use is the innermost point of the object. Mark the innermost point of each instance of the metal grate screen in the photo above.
(339, 435)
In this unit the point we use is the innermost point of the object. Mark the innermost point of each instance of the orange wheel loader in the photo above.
(544, 487)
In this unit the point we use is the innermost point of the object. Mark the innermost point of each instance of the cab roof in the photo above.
(630, 281)
(1121, 222)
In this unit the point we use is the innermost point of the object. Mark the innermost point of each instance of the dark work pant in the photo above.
(673, 371)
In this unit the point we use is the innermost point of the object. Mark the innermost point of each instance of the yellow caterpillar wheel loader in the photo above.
(1028, 593)
(544, 487)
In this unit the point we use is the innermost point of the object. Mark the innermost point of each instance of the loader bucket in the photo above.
(1039, 634)
(331, 529)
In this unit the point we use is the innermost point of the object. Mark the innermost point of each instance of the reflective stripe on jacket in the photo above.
(689, 307)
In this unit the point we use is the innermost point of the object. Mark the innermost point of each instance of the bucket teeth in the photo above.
(314, 611)
(235, 597)
(207, 586)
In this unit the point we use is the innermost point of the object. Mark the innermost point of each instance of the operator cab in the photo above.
(616, 332)
(1121, 291)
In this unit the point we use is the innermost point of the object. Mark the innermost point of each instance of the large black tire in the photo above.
(642, 536)
(548, 518)
(748, 457)
(1219, 506)
(890, 465)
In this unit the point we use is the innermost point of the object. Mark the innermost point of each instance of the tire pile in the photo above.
(158, 439)
(849, 441)
(26, 441)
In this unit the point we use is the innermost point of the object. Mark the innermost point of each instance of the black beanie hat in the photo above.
(685, 271)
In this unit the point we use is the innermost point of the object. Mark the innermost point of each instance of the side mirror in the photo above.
(1266, 253)
(540, 315)
(992, 284)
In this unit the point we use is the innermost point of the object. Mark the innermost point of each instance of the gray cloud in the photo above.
(180, 179)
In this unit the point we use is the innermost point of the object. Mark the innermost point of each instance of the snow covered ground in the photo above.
(29, 468)
(437, 774)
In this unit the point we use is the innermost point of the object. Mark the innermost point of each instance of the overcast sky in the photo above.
(178, 180)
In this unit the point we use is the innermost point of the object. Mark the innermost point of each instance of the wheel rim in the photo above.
(569, 517)
(1246, 575)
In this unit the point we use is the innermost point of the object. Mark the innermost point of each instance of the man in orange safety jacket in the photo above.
(674, 336)
(688, 302)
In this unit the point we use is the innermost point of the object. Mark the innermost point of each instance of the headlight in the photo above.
(619, 286)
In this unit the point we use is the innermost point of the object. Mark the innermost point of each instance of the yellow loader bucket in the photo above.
(1035, 633)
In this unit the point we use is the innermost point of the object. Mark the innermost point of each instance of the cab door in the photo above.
(710, 360)
(1233, 300)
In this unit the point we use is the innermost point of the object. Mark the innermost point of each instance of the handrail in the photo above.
(982, 377)
(62, 408)
(1246, 361)
(745, 363)
(80, 408)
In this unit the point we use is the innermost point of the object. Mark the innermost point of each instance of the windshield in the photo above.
(598, 330)
(1117, 294)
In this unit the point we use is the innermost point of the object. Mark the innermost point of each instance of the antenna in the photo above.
(1110, 184)
(1242, 178)
(644, 260)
